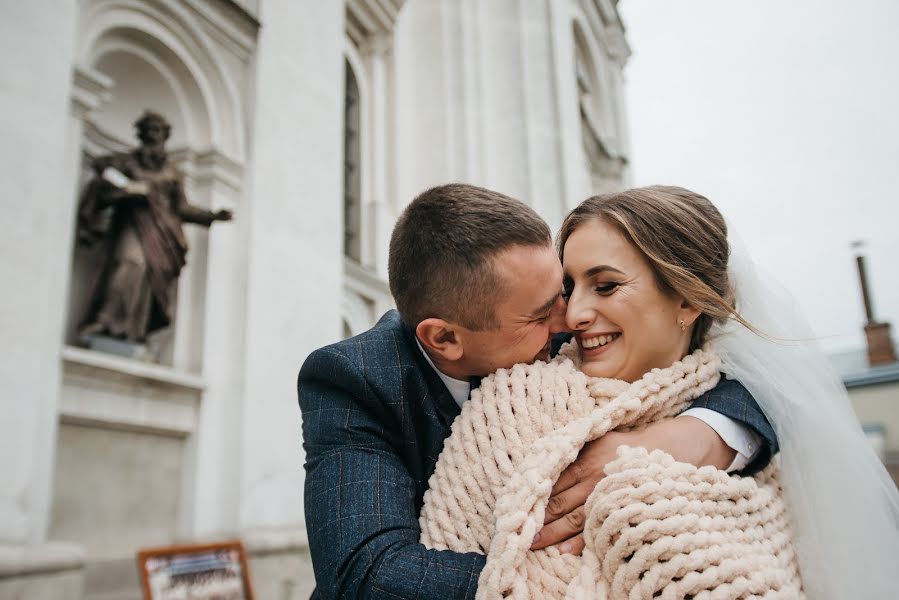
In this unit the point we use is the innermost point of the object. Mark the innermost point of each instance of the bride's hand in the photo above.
(687, 439)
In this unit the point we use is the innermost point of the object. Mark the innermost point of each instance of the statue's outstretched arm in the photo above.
(191, 213)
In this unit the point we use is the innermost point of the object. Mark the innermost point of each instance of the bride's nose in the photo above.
(578, 315)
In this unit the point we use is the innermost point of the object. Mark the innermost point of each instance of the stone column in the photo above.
(38, 204)
(294, 206)
(295, 256)
(476, 100)
(211, 477)
(37, 41)
(376, 52)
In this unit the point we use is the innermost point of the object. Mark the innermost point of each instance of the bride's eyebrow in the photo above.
(601, 269)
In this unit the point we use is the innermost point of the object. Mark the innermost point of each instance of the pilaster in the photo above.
(295, 254)
(35, 95)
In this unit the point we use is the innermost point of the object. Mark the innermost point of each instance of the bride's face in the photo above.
(623, 323)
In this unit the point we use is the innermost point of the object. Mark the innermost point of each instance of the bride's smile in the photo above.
(624, 323)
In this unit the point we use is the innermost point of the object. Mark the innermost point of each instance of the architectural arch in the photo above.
(169, 28)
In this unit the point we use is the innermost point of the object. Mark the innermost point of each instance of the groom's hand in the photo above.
(685, 438)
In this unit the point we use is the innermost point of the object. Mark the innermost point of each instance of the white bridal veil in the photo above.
(844, 506)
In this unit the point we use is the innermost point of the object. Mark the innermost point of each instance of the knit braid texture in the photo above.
(654, 527)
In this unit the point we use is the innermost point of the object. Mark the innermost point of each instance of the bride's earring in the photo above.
(683, 324)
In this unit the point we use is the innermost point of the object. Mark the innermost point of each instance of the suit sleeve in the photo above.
(361, 515)
(733, 400)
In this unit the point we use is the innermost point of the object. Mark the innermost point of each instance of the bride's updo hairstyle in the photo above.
(681, 235)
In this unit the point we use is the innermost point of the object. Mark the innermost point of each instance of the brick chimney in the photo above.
(877, 335)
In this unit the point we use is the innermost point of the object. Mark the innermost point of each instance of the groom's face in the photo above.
(529, 309)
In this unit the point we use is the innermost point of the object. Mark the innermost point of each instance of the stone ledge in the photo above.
(51, 557)
(134, 368)
(119, 393)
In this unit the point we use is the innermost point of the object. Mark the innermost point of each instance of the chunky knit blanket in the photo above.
(654, 527)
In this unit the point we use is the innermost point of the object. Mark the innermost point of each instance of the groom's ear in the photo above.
(440, 339)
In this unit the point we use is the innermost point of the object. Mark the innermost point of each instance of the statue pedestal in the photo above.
(111, 345)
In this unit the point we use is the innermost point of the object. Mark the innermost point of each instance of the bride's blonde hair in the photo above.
(681, 235)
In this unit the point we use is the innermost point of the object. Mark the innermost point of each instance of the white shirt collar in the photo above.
(457, 388)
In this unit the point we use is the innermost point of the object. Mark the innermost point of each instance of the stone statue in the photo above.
(136, 202)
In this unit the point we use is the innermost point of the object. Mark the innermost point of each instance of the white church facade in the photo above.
(315, 122)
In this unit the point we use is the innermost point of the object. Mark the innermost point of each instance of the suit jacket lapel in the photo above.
(447, 409)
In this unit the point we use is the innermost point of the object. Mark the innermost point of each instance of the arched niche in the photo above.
(156, 56)
(167, 30)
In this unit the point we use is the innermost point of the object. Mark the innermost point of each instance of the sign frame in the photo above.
(232, 549)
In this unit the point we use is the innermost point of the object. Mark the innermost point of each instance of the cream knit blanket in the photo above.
(654, 528)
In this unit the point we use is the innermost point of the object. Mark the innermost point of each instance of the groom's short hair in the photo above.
(442, 250)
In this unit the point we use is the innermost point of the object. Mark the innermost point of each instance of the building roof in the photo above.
(855, 371)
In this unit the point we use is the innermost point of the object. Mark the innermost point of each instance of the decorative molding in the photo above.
(97, 141)
(364, 296)
(608, 10)
(364, 281)
(230, 24)
(608, 29)
(118, 393)
(367, 18)
(188, 30)
(90, 91)
(210, 166)
(600, 146)
(203, 167)
(378, 44)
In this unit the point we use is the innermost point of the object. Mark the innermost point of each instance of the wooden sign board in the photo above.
(195, 572)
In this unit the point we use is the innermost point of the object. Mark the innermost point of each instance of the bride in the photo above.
(659, 302)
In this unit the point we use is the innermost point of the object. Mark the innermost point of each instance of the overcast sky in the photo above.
(786, 115)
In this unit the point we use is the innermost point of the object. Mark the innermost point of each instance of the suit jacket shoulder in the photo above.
(382, 373)
(375, 416)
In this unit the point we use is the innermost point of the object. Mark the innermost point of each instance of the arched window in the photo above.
(352, 168)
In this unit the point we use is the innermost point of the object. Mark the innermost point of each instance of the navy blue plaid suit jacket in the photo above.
(375, 416)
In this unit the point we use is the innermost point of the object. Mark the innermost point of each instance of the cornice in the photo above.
(371, 18)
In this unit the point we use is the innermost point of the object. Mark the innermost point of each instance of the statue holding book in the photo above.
(136, 203)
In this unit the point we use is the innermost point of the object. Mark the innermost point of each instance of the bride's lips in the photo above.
(609, 337)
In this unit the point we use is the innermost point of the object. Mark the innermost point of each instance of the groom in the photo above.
(477, 286)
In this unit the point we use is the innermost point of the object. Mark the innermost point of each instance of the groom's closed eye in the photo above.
(544, 312)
